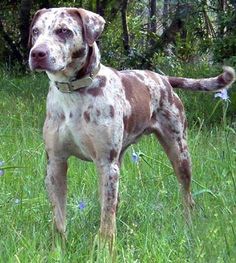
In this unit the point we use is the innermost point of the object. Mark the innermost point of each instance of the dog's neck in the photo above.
(82, 76)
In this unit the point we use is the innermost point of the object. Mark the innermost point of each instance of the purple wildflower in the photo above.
(2, 170)
(223, 94)
(81, 205)
(17, 201)
(135, 157)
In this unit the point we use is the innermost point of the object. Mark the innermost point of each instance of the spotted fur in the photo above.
(98, 122)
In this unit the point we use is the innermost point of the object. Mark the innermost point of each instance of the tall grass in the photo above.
(150, 226)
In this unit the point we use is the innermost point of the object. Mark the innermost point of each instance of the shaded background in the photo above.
(184, 38)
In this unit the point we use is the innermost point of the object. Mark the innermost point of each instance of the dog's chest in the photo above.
(78, 124)
(66, 127)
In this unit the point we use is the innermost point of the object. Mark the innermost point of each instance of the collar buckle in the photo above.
(64, 87)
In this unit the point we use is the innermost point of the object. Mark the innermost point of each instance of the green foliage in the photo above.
(225, 44)
(207, 31)
(224, 48)
(111, 40)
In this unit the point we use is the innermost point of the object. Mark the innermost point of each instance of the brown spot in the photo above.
(62, 15)
(95, 91)
(180, 143)
(80, 53)
(102, 81)
(62, 116)
(166, 114)
(113, 178)
(112, 111)
(126, 122)
(111, 191)
(47, 158)
(87, 116)
(185, 172)
(176, 82)
(82, 91)
(224, 79)
(113, 155)
(98, 112)
(197, 85)
(154, 116)
(139, 98)
(162, 97)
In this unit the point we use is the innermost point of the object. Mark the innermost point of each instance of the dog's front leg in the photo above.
(56, 186)
(109, 183)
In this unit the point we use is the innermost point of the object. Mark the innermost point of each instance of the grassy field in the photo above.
(150, 226)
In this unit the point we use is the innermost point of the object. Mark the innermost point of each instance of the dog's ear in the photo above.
(93, 25)
(35, 18)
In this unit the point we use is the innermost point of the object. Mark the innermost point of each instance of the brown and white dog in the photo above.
(95, 112)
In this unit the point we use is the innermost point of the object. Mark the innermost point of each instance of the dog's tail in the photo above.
(220, 82)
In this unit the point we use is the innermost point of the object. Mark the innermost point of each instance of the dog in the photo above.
(95, 112)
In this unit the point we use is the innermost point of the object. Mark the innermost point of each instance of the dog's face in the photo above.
(60, 38)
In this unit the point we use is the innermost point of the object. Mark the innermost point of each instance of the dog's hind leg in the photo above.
(169, 125)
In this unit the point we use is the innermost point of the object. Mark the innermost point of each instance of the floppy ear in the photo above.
(35, 18)
(93, 25)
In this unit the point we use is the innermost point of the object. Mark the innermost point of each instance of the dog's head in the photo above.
(60, 38)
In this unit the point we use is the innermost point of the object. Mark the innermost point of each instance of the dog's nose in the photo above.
(39, 53)
(39, 58)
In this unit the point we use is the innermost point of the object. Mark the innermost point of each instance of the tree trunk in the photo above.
(100, 7)
(152, 23)
(153, 19)
(169, 34)
(221, 27)
(126, 43)
(24, 25)
(165, 14)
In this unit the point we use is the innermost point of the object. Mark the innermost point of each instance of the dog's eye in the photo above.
(35, 31)
(64, 32)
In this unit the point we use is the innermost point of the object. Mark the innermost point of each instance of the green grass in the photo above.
(150, 226)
